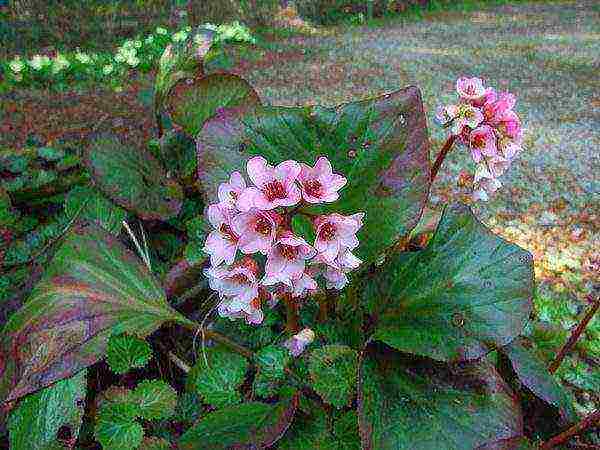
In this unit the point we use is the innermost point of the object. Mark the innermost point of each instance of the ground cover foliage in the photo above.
(397, 353)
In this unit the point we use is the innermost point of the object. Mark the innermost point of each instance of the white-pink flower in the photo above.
(250, 311)
(336, 232)
(510, 148)
(488, 97)
(298, 342)
(484, 183)
(221, 244)
(305, 285)
(286, 259)
(467, 116)
(229, 192)
(238, 281)
(256, 230)
(319, 183)
(470, 88)
(336, 270)
(482, 141)
(446, 114)
(275, 186)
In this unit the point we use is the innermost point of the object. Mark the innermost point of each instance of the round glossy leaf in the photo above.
(465, 292)
(422, 405)
(380, 145)
(191, 104)
(133, 178)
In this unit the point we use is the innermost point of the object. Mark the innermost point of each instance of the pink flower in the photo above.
(320, 184)
(222, 243)
(297, 343)
(256, 230)
(489, 96)
(230, 192)
(482, 141)
(336, 232)
(305, 285)
(470, 88)
(498, 165)
(286, 259)
(509, 124)
(275, 186)
(238, 281)
(468, 116)
(494, 110)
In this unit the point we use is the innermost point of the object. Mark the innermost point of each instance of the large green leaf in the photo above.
(467, 290)
(191, 104)
(177, 152)
(88, 204)
(249, 425)
(533, 373)
(380, 145)
(422, 405)
(35, 422)
(218, 381)
(94, 287)
(133, 178)
(270, 361)
(333, 373)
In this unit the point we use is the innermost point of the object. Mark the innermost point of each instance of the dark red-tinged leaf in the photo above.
(181, 60)
(419, 404)
(94, 287)
(182, 276)
(533, 373)
(380, 145)
(39, 419)
(467, 290)
(191, 104)
(133, 178)
(249, 425)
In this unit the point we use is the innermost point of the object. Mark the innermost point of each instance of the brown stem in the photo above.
(575, 335)
(291, 308)
(563, 437)
(323, 308)
(441, 156)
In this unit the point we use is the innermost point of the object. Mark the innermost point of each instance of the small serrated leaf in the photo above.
(156, 399)
(333, 370)
(218, 381)
(116, 428)
(271, 362)
(126, 352)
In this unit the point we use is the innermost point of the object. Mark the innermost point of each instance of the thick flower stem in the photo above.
(441, 156)
(578, 428)
(575, 335)
(291, 308)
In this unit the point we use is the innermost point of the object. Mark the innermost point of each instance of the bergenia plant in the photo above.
(484, 122)
(255, 218)
(271, 277)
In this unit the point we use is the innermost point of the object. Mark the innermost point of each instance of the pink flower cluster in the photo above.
(256, 220)
(484, 121)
